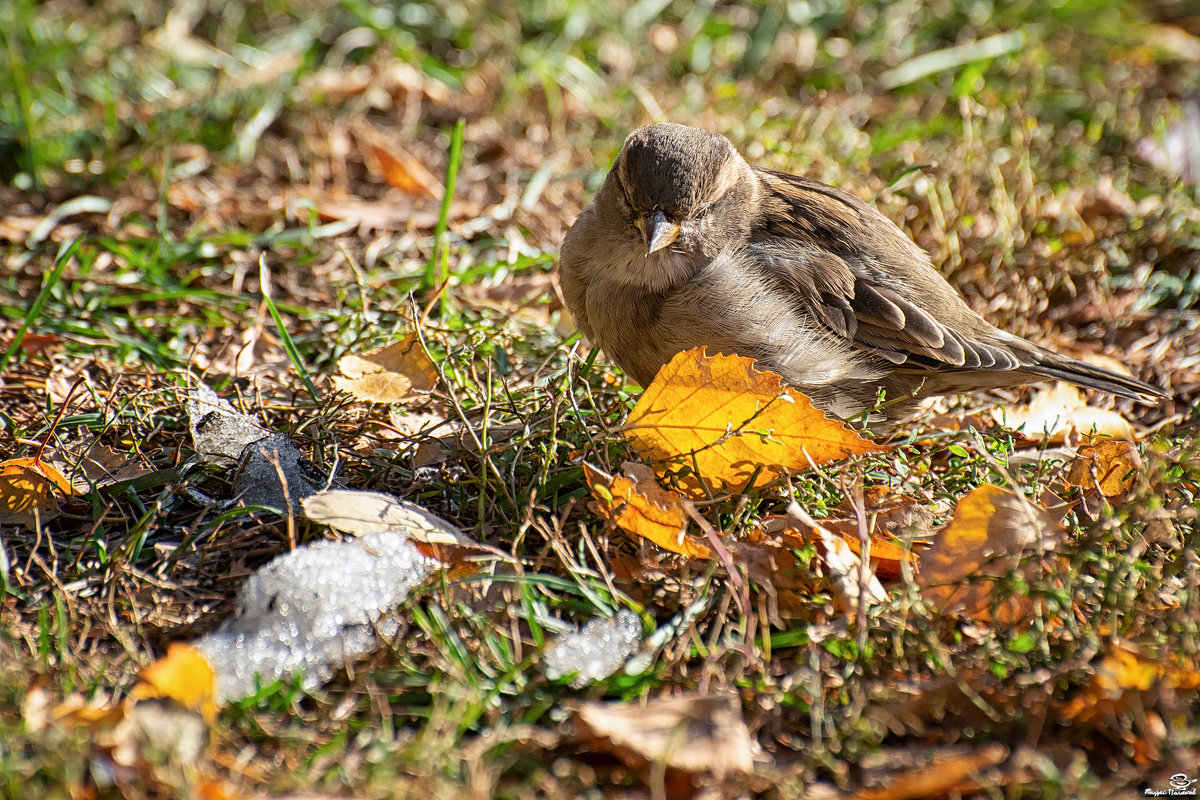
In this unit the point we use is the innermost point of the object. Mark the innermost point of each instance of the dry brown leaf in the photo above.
(1108, 468)
(393, 213)
(638, 504)
(183, 675)
(75, 711)
(389, 374)
(36, 344)
(731, 419)
(940, 777)
(27, 491)
(691, 733)
(90, 464)
(397, 167)
(1061, 414)
(991, 528)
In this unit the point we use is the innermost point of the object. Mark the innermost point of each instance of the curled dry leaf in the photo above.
(1061, 414)
(1107, 468)
(388, 375)
(991, 529)
(27, 491)
(360, 513)
(731, 420)
(692, 733)
(636, 502)
(845, 567)
(887, 553)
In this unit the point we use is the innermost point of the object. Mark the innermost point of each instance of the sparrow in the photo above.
(687, 244)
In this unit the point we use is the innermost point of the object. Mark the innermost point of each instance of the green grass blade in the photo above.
(438, 271)
(284, 336)
(60, 263)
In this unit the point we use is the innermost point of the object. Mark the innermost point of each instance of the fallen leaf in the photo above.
(845, 567)
(37, 343)
(887, 553)
(398, 168)
(991, 529)
(182, 675)
(1120, 676)
(730, 419)
(638, 504)
(393, 213)
(1108, 468)
(89, 464)
(74, 711)
(390, 374)
(953, 774)
(359, 513)
(27, 491)
(692, 733)
(1061, 414)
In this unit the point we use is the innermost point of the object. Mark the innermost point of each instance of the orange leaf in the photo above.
(26, 491)
(733, 419)
(1119, 674)
(991, 528)
(950, 774)
(398, 168)
(886, 552)
(183, 675)
(389, 374)
(639, 505)
(1107, 467)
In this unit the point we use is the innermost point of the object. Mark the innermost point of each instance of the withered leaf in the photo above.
(389, 374)
(692, 733)
(991, 529)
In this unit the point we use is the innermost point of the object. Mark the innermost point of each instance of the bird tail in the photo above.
(1080, 373)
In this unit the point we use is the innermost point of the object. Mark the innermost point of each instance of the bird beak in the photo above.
(658, 231)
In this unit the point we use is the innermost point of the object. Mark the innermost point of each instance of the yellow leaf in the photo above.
(639, 505)
(183, 675)
(27, 491)
(388, 375)
(732, 419)
(991, 528)
(1107, 467)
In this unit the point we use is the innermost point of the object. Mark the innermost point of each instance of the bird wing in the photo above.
(835, 254)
